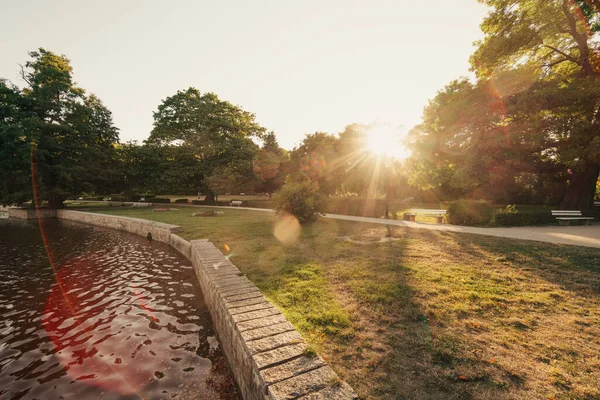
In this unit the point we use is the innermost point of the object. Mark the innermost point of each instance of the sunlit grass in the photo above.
(430, 315)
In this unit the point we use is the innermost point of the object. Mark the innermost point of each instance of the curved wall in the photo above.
(267, 355)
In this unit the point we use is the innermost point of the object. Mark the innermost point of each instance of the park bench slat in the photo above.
(570, 215)
(427, 211)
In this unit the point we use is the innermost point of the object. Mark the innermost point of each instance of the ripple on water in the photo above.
(121, 318)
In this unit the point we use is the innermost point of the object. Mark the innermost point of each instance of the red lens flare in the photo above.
(82, 361)
(85, 339)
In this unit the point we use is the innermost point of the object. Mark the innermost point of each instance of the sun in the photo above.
(387, 140)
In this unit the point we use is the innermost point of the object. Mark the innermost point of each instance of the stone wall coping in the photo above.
(268, 357)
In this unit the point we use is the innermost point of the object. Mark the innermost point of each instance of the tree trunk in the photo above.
(582, 187)
(210, 196)
(56, 202)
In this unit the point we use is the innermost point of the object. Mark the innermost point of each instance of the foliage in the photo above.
(527, 129)
(53, 137)
(218, 133)
(299, 197)
(511, 217)
(269, 165)
(359, 206)
(469, 212)
(224, 180)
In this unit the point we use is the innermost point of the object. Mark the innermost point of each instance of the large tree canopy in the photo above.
(54, 138)
(219, 133)
(529, 129)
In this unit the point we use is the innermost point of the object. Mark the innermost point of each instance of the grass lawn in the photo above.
(432, 315)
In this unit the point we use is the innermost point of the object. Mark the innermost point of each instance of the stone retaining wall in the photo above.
(158, 230)
(30, 213)
(268, 357)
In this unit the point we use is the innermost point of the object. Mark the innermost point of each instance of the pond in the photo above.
(88, 313)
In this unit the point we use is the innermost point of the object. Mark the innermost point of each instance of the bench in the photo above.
(141, 204)
(235, 203)
(439, 214)
(565, 217)
(597, 204)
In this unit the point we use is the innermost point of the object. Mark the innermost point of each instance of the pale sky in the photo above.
(300, 66)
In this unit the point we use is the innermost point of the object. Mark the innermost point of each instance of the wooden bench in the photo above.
(439, 214)
(235, 203)
(565, 217)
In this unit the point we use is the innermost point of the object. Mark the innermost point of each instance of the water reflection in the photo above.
(126, 321)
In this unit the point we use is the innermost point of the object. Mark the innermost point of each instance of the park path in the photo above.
(587, 236)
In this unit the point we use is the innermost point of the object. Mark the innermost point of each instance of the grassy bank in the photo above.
(430, 315)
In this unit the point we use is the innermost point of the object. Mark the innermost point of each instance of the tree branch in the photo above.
(24, 75)
(580, 39)
(562, 53)
(555, 63)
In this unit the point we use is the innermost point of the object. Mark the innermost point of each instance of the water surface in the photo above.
(102, 314)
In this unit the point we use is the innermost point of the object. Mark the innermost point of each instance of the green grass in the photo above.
(431, 315)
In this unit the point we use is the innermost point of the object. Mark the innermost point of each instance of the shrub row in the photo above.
(97, 198)
(133, 197)
(470, 212)
(355, 206)
(210, 203)
(523, 219)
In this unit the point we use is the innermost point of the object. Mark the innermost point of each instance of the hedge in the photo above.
(470, 212)
(181, 201)
(355, 206)
(524, 219)
(159, 200)
(97, 198)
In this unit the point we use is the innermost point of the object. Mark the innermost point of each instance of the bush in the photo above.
(299, 198)
(159, 200)
(469, 212)
(181, 201)
(509, 216)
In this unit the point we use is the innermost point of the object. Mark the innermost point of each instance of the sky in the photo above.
(300, 67)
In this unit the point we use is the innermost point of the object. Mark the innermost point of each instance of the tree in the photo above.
(70, 137)
(151, 168)
(269, 165)
(16, 113)
(555, 39)
(316, 158)
(223, 180)
(219, 133)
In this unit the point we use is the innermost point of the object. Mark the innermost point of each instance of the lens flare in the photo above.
(286, 229)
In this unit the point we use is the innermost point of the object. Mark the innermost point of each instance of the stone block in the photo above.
(303, 384)
(294, 367)
(278, 355)
(255, 314)
(262, 322)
